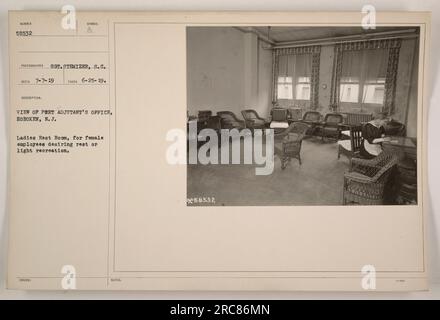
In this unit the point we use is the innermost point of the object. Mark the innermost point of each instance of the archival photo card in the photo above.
(217, 151)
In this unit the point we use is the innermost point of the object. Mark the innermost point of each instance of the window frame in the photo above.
(293, 87)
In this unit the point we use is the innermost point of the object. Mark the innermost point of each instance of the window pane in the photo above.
(349, 93)
(349, 80)
(303, 91)
(374, 93)
(375, 80)
(304, 79)
(284, 80)
(285, 91)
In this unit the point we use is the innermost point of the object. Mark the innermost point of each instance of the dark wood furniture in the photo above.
(351, 147)
(404, 179)
(356, 119)
(405, 182)
(288, 143)
(228, 120)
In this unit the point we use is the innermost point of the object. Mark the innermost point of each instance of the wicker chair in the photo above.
(313, 119)
(253, 120)
(330, 126)
(229, 120)
(365, 182)
(288, 143)
(295, 114)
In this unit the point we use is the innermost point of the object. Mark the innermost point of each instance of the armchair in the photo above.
(279, 119)
(295, 114)
(365, 182)
(253, 120)
(331, 125)
(228, 120)
(312, 118)
(288, 143)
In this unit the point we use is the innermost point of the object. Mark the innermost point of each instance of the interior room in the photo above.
(339, 102)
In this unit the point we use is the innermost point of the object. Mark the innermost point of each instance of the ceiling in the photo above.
(284, 34)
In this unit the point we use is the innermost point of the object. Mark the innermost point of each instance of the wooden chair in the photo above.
(229, 120)
(356, 119)
(253, 120)
(288, 143)
(366, 181)
(330, 127)
(351, 147)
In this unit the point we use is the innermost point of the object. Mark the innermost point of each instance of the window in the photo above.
(303, 88)
(363, 78)
(294, 82)
(349, 91)
(374, 91)
(285, 89)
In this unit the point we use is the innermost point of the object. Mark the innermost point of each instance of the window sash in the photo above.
(363, 96)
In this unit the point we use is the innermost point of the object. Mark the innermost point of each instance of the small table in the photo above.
(404, 187)
(404, 147)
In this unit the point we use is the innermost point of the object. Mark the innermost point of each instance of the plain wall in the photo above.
(228, 70)
(215, 74)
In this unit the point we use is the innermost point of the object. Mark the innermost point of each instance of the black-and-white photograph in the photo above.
(302, 116)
